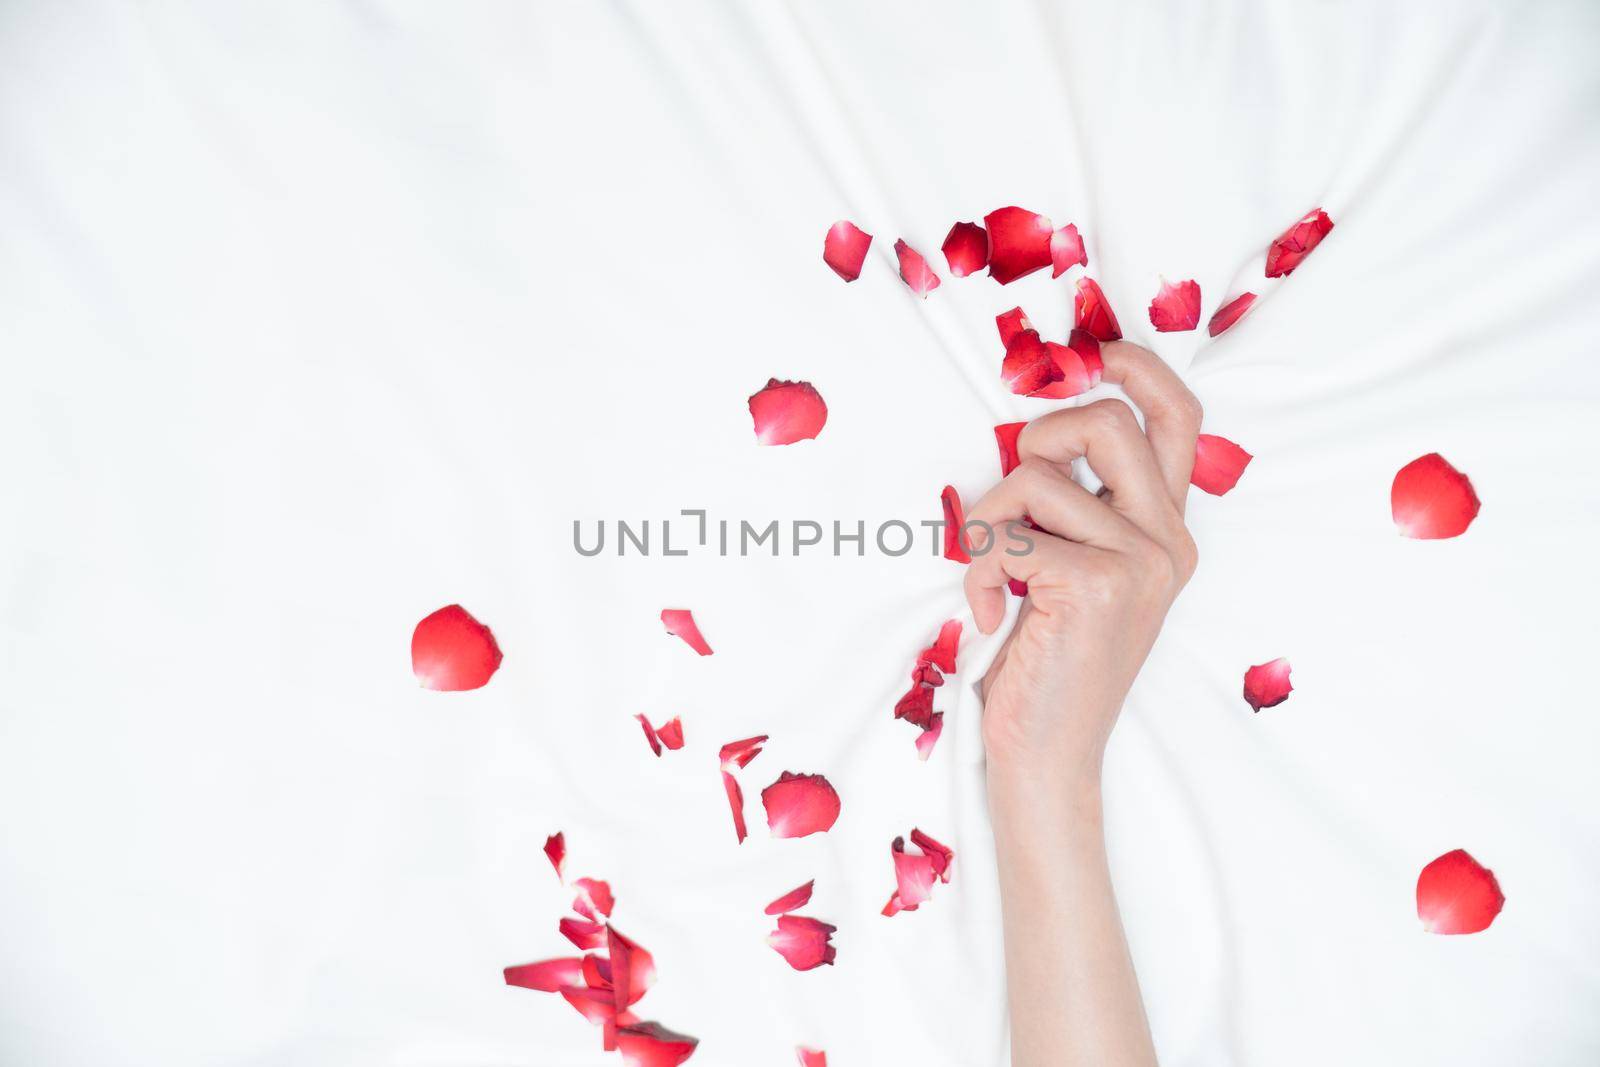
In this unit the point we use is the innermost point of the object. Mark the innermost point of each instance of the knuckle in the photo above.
(1186, 556)
(1111, 415)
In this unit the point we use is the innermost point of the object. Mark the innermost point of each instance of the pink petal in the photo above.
(914, 270)
(680, 623)
(943, 856)
(799, 805)
(735, 801)
(1457, 895)
(950, 500)
(942, 653)
(1218, 463)
(845, 249)
(803, 942)
(913, 875)
(930, 737)
(594, 898)
(966, 249)
(555, 849)
(1176, 307)
(650, 734)
(1087, 346)
(1066, 250)
(1019, 243)
(633, 970)
(1005, 435)
(740, 753)
(1430, 499)
(793, 900)
(546, 976)
(653, 1045)
(1093, 313)
(1296, 243)
(786, 412)
(1028, 365)
(451, 651)
(1230, 313)
(671, 733)
(586, 935)
(596, 1005)
(894, 907)
(1010, 324)
(1266, 685)
(1074, 377)
(811, 1057)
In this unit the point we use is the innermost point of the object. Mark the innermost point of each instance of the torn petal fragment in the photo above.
(1019, 243)
(1266, 685)
(943, 856)
(913, 874)
(942, 653)
(596, 971)
(1218, 464)
(1230, 313)
(680, 623)
(1028, 365)
(730, 785)
(1431, 500)
(950, 500)
(1010, 324)
(650, 734)
(1066, 250)
(588, 936)
(1005, 435)
(671, 733)
(793, 900)
(845, 249)
(653, 1045)
(451, 651)
(787, 412)
(804, 942)
(914, 270)
(930, 737)
(740, 753)
(1176, 307)
(811, 1057)
(1457, 895)
(916, 707)
(594, 898)
(1297, 242)
(555, 850)
(633, 970)
(1074, 376)
(1092, 312)
(546, 976)
(799, 805)
(966, 249)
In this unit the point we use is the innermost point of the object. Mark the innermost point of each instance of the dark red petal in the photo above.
(1088, 348)
(1028, 365)
(1018, 588)
(653, 1045)
(811, 1057)
(671, 733)
(1218, 463)
(1176, 307)
(786, 412)
(596, 972)
(735, 801)
(451, 651)
(803, 942)
(799, 805)
(1005, 435)
(1074, 377)
(740, 753)
(793, 900)
(943, 856)
(1457, 895)
(913, 873)
(1066, 250)
(1230, 313)
(930, 737)
(547, 976)
(1430, 499)
(914, 270)
(1019, 243)
(942, 653)
(594, 898)
(916, 707)
(1296, 243)
(1093, 313)
(633, 970)
(845, 249)
(1266, 685)
(596, 1005)
(586, 935)
(555, 849)
(950, 500)
(966, 249)
(650, 734)
(680, 623)
(1010, 323)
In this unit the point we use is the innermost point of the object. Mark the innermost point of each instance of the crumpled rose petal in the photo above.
(1019, 243)
(1430, 499)
(1066, 251)
(1028, 365)
(930, 737)
(671, 733)
(633, 970)
(1457, 895)
(916, 707)
(1010, 324)
(1296, 243)
(966, 249)
(942, 653)
(1218, 463)
(1176, 307)
(943, 856)
(914, 270)
(546, 976)
(1074, 378)
(588, 936)
(680, 623)
(1005, 435)
(1087, 346)
(845, 249)
(1266, 685)
(954, 517)
(555, 850)
(799, 805)
(1230, 313)
(793, 900)
(803, 942)
(650, 734)
(736, 754)
(594, 898)
(451, 651)
(786, 412)
(811, 1057)
(1092, 312)
(653, 1045)
(913, 875)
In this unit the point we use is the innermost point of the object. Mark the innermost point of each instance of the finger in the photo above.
(1107, 434)
(986, 577)
(1171, 412)
(1047, 494)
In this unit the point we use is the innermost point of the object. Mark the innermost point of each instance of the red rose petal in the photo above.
(894, 906)
(1430, 499)
(1176, 307)
(1087, 346)
(1218, 463)
(1457, 895)
(1074, 378)
(1019, 243)
(671, 733)
(966, 249)
(1005, 435)
(1230, 313)
(594, 898)
(730, 784)
(845, 249)
(588, 936)
(942, 653)
(1266, 685)
(943, 856)
(1296, 243)
(1093, 313)
(1010, 324)
(650, 734)
(596, 1005)
(1066, 250)
(786, 412)
(733, 755)
(555, 849)
(1018, 589)
(546, 976)
(914, 270)
(451, 651)
(803, 942)
(930, 737)
(680, 623)
(811, 1057)
(596, 972)
(913, 875)
(1028, 365)
(653, 1045)
(793, 900)
(916, 707)
(633, 970)
(799, 805)
(950, 500)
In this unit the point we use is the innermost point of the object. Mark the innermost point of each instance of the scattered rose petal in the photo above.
(1028, 365)
(1087, 346)
(451, 651)
(799, 805)
(1230, 313)
(596, 1005)
(942, 653)
(1074, 376)
(594, 898)
(586, 935)
(1010, 324)
(786, 412)
(930, 737)
(966, 249)
(555, 850)
(671, 733)
(913, 874)
(916, 707)
(845, 249)
(730, 785)
(1019, 243)
(1093, 313)
(943, 856)
(1430, 499)
(793, 900)
(653, 1045)
(1005, 435)
(546, 976)
(1266, 685)
(680, 623)
(1457, 895)
(1218, 463)
(1018, 588)
(950, 500)
(1066, 250)
(914, 270)
(811, 1057)
(803, 942)
(736, 754)
(1296, 243)
(1176, 307)
(633, 970)
(596, 971)
(650, 734)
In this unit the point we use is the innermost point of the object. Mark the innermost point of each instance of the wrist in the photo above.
(1053, 795)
